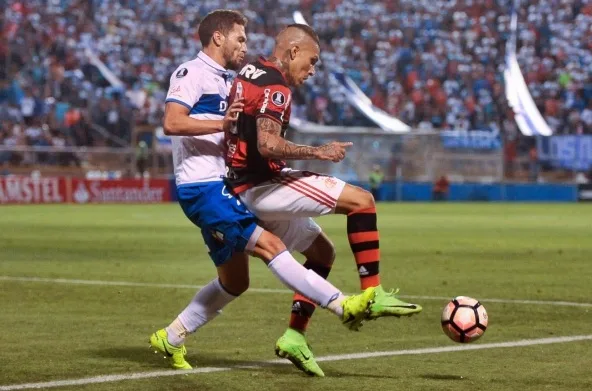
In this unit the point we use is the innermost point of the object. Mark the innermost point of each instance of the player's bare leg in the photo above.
(234, 275)
(362, 232)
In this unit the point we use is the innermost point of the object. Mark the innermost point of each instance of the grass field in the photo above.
(82, 287)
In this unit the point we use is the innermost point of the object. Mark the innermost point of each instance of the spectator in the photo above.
(434, 64)
(426, 53)
(141, 159)
(533, 164)
(375, 179)
(441, 189)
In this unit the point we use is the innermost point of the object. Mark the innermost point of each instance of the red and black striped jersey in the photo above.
(266, 94)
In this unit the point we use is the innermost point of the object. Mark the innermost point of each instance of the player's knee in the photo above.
(234, 274)
(362, 199)
(236, 286)
(268, 246)
(240, 286)
(354, 198)
(275, 246)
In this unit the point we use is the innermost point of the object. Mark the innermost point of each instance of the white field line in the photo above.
(268, 290)
(340, 357)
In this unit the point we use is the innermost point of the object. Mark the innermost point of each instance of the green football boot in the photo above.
(293, 346)
(176, 354)
(388, 304)
(356, 308)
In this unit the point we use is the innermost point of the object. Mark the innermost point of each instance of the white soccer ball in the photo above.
(464, 319)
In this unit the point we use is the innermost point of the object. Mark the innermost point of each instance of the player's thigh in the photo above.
(226, 224)
(234, 274)
(294, 194)
(297, 234)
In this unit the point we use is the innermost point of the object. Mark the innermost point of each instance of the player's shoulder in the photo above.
(188, 70)
(262, 73)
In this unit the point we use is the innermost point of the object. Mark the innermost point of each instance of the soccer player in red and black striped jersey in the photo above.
(258, 173)
(195, 112)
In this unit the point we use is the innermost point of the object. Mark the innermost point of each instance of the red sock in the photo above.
(362, 232)
(302, 308)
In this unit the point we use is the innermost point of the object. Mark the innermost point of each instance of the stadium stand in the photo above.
(435, 64)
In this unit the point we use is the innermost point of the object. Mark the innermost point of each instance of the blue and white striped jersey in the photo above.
(202, 85)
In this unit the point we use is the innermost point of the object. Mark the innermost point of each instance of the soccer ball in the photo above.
(464, 319)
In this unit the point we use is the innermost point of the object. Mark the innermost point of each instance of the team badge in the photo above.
(278, 99)
(330, 182)
(181, 73)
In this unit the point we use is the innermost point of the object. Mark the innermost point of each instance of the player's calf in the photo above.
(234, 274)
(362, 232)
(319, 258)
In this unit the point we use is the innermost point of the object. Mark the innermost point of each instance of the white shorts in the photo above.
(286, 204)
(297, 234)
(293, 194)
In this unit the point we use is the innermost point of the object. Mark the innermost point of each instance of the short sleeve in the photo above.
(185, 87)
(274, 103)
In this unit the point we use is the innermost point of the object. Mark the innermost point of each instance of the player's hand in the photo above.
(232, 113)
(333, 151)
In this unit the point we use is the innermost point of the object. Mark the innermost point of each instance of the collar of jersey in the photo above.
(270, 64)
(213, 64)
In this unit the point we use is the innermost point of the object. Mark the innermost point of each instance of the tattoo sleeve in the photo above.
(271, 144)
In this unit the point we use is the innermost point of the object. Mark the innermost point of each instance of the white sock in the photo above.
(306, 282)
(205, 306)
(176, 332)
(335, 305)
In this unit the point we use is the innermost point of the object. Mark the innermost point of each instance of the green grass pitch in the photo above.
(61, 328)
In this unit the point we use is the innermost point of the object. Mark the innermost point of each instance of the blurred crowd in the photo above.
(435, 64)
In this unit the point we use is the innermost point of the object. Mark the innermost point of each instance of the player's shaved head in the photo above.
(296, 34)
(297, 47)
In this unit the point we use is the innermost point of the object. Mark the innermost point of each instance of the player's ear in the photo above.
(293, 52)
(218, 38)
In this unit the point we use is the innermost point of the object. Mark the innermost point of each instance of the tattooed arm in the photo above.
(272, 145)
